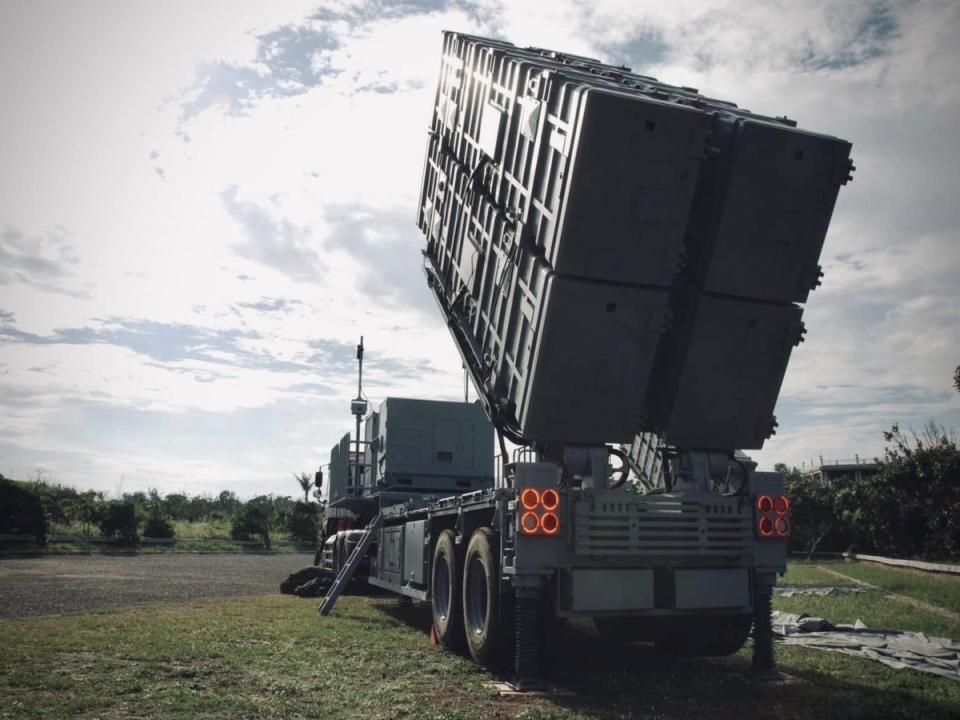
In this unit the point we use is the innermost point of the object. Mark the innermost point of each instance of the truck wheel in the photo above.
(705, 636)
(445, 592)
(481, 597)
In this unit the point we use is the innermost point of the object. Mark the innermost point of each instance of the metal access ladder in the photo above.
(346, 572)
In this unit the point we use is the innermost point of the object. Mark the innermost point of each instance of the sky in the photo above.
(205, 204)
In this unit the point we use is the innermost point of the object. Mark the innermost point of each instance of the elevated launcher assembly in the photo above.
(621, 263)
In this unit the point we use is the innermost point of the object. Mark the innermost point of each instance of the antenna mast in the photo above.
(359, 408)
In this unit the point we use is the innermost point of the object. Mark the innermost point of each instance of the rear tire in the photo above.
(481, 597)
(445, 592)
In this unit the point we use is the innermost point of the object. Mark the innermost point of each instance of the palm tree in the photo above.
(305, 484)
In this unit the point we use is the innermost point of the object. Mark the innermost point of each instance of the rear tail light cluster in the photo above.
(773, 519)
(538, 510)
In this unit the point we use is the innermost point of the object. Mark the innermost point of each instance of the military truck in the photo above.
(622, 265)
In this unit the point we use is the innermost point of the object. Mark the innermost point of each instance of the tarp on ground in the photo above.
(816, 591)
(897, 649)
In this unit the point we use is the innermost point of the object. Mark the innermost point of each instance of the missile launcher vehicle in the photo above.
(622, 264)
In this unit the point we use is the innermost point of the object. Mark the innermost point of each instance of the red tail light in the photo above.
(550, 523)
(538, 512)
(530, 499)
(550, 500)
(530, 523)
(773, 516)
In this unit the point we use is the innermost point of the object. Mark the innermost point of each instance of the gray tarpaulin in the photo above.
(894, 648)
(816, 591)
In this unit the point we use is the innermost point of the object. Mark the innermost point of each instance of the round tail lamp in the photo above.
(550, 499)
(530, 523)
(529, 498)
(550, 523)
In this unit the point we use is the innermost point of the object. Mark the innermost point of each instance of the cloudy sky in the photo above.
(203, 205)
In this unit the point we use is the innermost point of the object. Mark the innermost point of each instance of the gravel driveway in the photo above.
(64, 584)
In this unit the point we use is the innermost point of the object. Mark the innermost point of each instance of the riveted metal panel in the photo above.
(556, 185)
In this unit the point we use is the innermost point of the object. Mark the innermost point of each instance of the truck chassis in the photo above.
(689, 571)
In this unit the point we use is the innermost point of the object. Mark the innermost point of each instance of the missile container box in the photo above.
(603, 241)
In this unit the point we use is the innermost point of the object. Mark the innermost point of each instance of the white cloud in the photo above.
(301, 185)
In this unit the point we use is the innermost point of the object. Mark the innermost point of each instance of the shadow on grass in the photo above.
(611, 680)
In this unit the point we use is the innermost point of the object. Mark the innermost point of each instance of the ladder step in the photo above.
(353, 562)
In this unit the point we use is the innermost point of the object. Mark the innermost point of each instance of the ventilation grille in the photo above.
(662, 526)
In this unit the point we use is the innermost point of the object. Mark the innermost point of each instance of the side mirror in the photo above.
(318, 478)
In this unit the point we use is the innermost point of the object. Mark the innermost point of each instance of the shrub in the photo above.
(302, 523)
(251, 522)
(909, 508)
(906, 510)
(119, 522)
(21, 511)
(818, 521)
(157, 526)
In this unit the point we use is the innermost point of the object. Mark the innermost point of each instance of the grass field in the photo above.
(274, 657)
(804, 574)
(941, 590)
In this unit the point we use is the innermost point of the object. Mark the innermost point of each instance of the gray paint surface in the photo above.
(615, 254)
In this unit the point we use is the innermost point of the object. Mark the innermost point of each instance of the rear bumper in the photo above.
(652, 591)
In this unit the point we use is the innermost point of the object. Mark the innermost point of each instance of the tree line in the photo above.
(32, 507)
(908, 509)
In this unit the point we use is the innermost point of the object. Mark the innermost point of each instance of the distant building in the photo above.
(830, 473)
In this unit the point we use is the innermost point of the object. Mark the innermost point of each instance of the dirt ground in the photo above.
(56, 585)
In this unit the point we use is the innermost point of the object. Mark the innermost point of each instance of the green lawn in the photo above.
(941, 590)
(805, 574)
(872, 607)
(274, 657)
(270, 657)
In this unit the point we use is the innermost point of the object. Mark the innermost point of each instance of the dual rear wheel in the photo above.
(466, 595)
